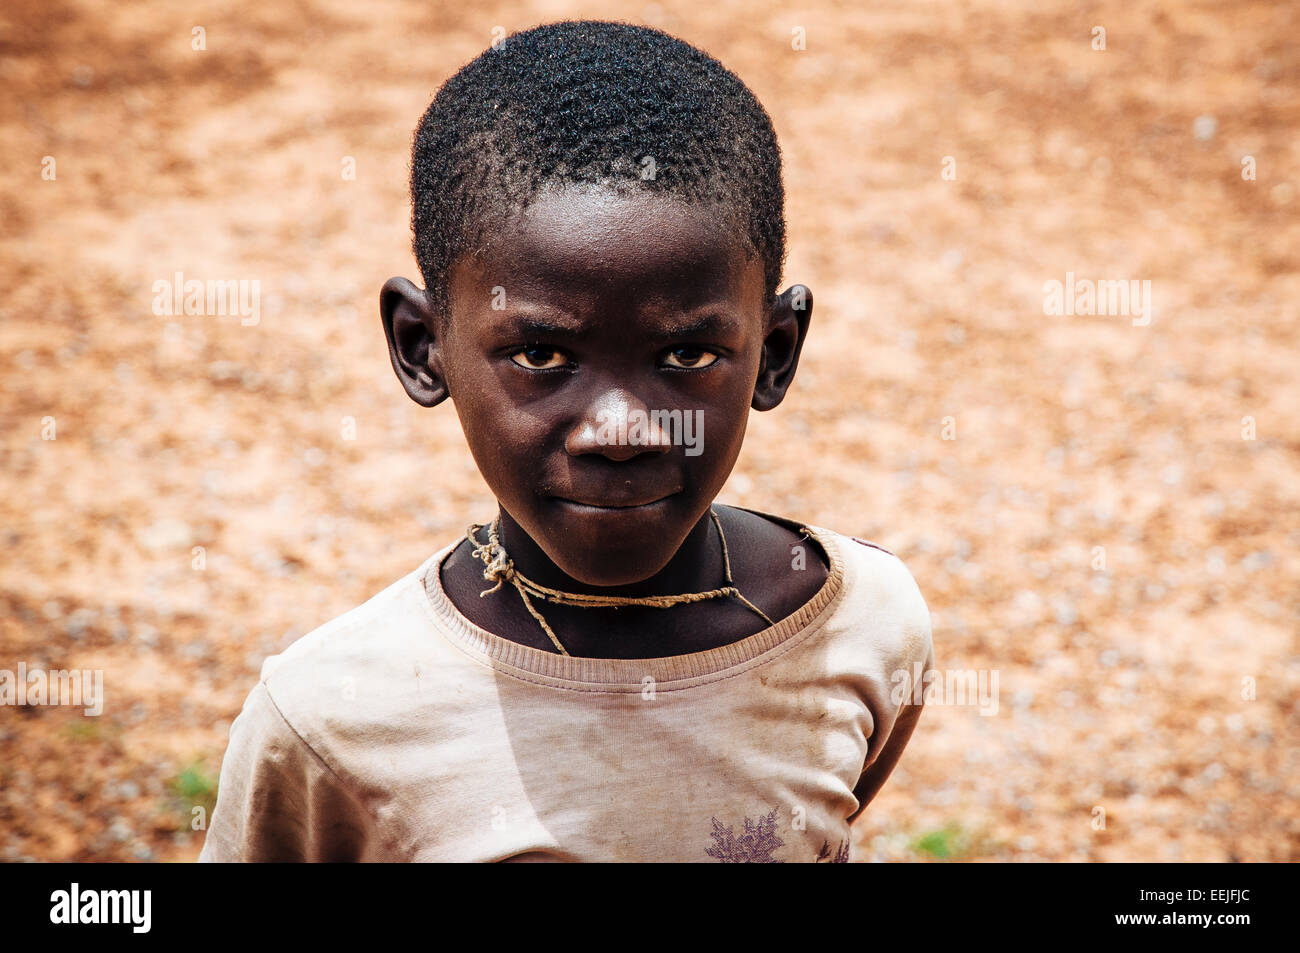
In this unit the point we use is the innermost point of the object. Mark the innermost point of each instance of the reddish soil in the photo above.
(1121, 689)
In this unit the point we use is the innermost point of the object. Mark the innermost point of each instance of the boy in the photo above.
(613, 668)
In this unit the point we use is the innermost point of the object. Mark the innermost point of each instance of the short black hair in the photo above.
(590, 101)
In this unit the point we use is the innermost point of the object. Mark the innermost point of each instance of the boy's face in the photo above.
(581, 323)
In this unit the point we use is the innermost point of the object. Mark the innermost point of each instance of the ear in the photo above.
(413, 345)
(787, 328)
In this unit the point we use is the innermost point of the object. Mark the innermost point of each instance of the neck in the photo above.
(695, 567)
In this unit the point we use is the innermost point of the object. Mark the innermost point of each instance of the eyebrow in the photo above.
(696, 327)
(543, 327)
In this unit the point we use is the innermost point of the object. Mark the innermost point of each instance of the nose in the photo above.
(616, 424)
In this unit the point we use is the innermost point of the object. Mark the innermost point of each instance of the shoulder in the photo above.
(319, 678)
(882, 573)
(880, 593)
(350, 637)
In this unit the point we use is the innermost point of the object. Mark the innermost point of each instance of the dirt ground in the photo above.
(1101, 530)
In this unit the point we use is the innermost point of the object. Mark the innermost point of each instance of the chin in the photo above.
(617, 547)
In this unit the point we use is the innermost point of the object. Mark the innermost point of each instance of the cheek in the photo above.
(721, 448)
(502, 438)
(725, 418)
(505, 442)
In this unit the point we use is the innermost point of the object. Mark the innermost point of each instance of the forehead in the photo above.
(593, 246)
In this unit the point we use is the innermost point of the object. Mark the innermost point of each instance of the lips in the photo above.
(621, 501)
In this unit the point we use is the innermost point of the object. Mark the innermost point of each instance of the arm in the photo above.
(876, 772)
(277, 800)
(874, 777)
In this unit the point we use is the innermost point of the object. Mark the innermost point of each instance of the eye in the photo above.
(689, 357)
(539, 358)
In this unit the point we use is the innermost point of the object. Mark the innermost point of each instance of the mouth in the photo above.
(605, 505)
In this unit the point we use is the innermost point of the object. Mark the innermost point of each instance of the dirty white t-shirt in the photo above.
(401, 731)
